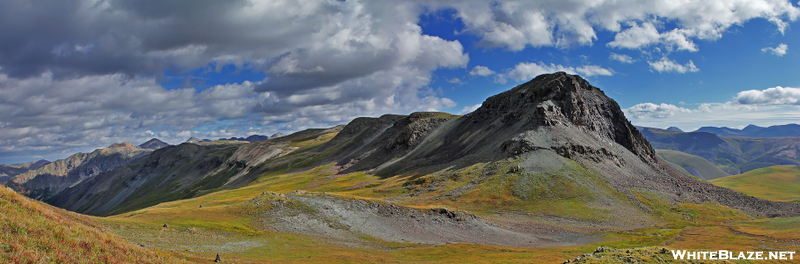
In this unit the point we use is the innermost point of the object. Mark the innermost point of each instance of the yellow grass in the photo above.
(33, 232)
(776, 183)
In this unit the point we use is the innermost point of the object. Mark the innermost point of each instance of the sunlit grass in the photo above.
(32, 232)
(776, 183)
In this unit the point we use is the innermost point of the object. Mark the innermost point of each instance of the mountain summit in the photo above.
(788, 130)
(153, 144)
(560, 99)
(558, 112)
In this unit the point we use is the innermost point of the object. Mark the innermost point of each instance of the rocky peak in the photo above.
(415, 126)
(122, 145)
(560, 98)
(153, 144)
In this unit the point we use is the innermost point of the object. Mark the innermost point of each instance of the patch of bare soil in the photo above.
(352, 221)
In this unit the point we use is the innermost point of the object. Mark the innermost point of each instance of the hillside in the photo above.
(33, 232)
(732, 154)
(776, 183)
(9, 171)
(694, 165)
(50, 179)
(184, 171)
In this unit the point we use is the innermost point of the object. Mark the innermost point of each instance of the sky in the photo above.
(79, 75)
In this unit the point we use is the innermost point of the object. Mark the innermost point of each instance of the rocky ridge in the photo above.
(50, 179)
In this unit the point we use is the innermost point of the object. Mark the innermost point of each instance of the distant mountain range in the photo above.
(790, 130)
(47, 180)
(251, 138)
(8, 171)
(254, 138)
(733, 154)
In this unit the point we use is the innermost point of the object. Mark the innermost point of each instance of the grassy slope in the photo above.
(776, 183)
(33, 232)
(222, 221)
(684, 160)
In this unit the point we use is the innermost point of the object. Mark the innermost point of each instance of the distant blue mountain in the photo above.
(732, 152)
(254, 138)
(790, 130)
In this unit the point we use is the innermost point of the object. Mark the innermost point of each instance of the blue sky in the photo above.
(81, 75)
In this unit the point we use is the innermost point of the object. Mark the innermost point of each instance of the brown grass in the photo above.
(33, 232)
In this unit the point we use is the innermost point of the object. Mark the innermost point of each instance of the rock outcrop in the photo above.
(50, 179)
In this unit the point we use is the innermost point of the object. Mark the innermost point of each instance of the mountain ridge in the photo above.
(788, 130)
(49, 179)
(733, 154)
(9, 171)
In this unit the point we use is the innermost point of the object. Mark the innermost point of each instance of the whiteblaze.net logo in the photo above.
(732, 255)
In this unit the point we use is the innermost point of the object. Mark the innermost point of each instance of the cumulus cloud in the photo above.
(529, 70)
(44, 112)
(621, 58)
(772, 106)
(304, 43)
(668, 65)
(519, 24)
(651, 110)
(779, 51)
(730, 114)
(456, 81)
(771, 96)
(86, 73)
(638, 36)
(51, 116)
(469, 109)
(481, 71)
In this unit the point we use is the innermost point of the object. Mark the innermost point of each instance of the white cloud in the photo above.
(651, 110)
(779, 51)
(728, 114)
(529, 70)
(469, 109)
(772, 106)
(771, 96)
(636, 36)
(667, 65)
(95, 82)
(481, 71)
(519, 24)
(621, 58)
(456, 81)
(645, 35)
(47, 115)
